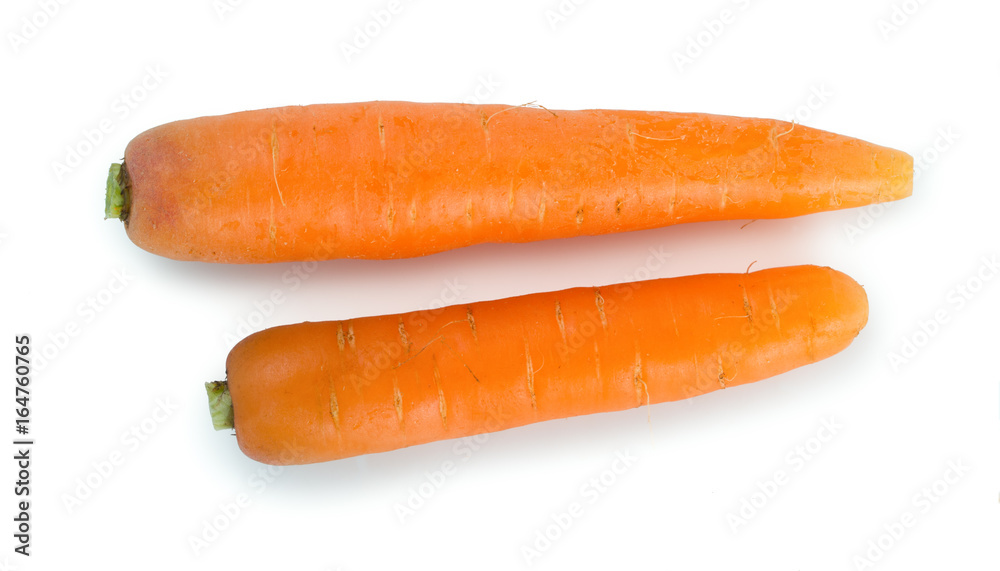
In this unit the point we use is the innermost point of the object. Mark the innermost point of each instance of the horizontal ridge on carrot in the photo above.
(395, 179)
(314, 392)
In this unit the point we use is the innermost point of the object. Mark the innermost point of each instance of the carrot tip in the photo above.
(220, 404)
(114, 199)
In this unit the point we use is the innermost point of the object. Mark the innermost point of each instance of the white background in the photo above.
(928, 86)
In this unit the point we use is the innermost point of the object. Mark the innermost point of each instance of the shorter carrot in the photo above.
(321, 391)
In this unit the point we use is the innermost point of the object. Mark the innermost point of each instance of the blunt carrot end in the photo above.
(114, 198)
(220, 404)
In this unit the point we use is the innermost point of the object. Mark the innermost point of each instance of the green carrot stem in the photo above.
(220, 404)
(114, 198)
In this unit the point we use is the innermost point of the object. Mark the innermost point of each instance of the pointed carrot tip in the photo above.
(901, 176)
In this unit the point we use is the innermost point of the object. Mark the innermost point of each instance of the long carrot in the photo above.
(395, 179)
(320, 391)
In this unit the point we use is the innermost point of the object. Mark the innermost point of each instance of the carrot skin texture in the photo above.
(395, 179)
(314, 392)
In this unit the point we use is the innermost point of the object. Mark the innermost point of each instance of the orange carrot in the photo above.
(320, 391)
(394, 179)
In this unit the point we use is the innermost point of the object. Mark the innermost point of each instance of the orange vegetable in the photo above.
(395, 179)
(320, 391)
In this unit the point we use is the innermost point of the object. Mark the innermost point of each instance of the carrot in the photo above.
(313, 392)
(394, 179)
